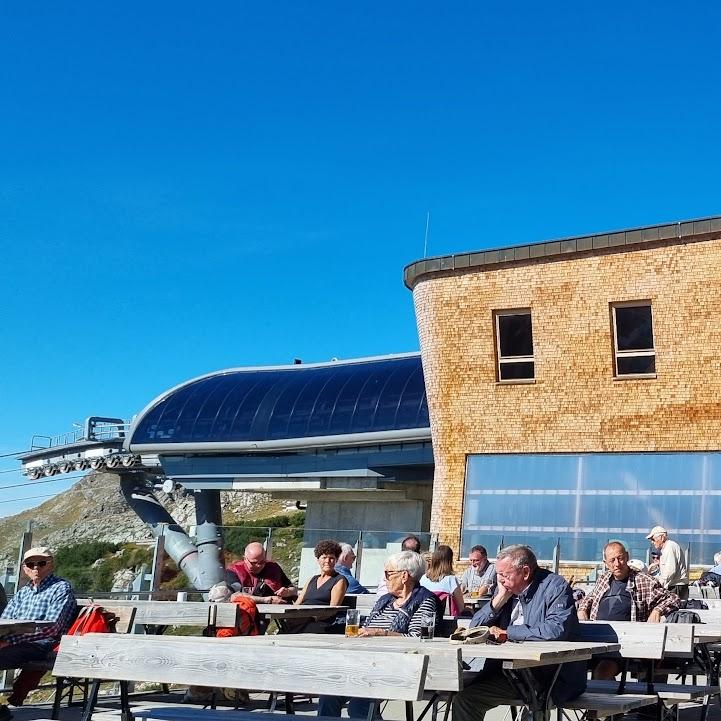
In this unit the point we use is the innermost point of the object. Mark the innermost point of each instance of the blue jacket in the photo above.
(354, 585)
(549, 614)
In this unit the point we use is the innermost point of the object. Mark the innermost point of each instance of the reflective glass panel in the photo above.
(515, 337)
(388, 394)
(634, 328)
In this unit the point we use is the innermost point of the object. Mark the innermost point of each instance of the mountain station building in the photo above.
(566, 392)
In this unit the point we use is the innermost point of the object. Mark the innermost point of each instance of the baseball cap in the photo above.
(38, 552)
(656, 531)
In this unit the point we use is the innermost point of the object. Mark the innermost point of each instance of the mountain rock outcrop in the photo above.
(94, 509)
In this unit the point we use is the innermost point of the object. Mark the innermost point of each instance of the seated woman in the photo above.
(324, 589)
(400, 612)
(440, 579)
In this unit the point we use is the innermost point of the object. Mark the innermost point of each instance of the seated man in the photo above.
(480, 577)
(45, 598)
(266, 579)
(623, 594)
(345, 564)
(530, 604)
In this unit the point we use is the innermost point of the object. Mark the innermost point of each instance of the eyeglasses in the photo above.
(388, 574)
(33, 564)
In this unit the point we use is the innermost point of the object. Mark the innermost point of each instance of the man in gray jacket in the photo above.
(531, 604)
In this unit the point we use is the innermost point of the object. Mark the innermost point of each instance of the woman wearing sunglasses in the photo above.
(400, 612)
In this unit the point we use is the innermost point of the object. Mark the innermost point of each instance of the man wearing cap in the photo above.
(45, 598)
(673, 571)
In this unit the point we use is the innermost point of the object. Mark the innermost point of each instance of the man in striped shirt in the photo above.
(45, 598)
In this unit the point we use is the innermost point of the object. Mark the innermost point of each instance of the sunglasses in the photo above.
(33, 564)
(388, 574)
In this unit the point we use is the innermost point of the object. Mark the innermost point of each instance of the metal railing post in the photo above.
(26, 544)
(269, 544)
(358, 555)
(557, 556)
(156, 572)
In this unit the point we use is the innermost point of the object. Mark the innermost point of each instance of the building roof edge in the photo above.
(682, 230)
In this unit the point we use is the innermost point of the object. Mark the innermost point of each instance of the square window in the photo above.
(634, 351)
(514, 345)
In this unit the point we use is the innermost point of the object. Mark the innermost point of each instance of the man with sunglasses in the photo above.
(45, 598)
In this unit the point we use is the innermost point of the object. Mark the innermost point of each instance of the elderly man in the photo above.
(623, 594)
(480, 576)
(530, 604)
(266, 579)
(344, 565)
(45, 598)
(672, 568)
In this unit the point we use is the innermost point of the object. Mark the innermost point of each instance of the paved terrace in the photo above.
(109, 709)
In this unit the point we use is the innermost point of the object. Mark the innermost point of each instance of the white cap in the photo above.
(637, 565)
(38, 552)
(657, 531)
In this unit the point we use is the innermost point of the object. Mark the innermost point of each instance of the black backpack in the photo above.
(709, 578)
(696, 603)
(683, 616)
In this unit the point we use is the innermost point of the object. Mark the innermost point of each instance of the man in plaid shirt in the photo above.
(45, 598)
(623, 594)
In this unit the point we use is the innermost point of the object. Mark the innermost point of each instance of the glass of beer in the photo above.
(428, 627)
(352, 622)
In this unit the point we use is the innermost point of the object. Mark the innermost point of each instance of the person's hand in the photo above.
(501, 598)
(653, 566)
(276, 599)
(582, 615)
(285, 592)
(368, 632)
(654, 616)
(499, 635)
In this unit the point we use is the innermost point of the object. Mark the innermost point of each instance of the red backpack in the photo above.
(91, 619)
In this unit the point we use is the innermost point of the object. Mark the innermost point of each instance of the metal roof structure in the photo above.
(365, 400)
(681, 231)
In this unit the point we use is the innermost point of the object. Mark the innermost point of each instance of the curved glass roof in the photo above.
(339, 398)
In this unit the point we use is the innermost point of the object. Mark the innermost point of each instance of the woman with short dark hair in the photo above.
(328, 587)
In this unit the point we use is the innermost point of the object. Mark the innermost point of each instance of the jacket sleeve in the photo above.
(559, 619)
(487, 616)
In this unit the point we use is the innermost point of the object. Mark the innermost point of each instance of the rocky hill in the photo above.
(94, 510)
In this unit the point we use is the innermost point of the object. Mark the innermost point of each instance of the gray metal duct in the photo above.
(197, 566)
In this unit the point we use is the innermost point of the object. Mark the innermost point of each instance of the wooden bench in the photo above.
(121, 622)
(375, 675)
(157, 615)
(640, 641)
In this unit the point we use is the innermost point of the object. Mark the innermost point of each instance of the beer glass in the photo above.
(352, 622)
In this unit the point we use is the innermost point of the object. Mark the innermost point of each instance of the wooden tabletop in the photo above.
(513, 655)
(10, 626)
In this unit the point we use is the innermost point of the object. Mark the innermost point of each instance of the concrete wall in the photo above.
(575, 403)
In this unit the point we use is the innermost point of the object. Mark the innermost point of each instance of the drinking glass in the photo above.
(428, 627)
(352, 622)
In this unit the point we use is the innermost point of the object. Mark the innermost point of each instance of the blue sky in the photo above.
(189, 188)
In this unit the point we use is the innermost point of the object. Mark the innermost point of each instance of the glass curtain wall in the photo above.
(584, 500)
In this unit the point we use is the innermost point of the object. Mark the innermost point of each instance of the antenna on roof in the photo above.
(425, 240)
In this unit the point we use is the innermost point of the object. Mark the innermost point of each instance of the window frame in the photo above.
(509, 360)
(640, 353)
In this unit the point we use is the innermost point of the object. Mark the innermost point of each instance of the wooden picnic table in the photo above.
(444, 668)
(11, 626)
